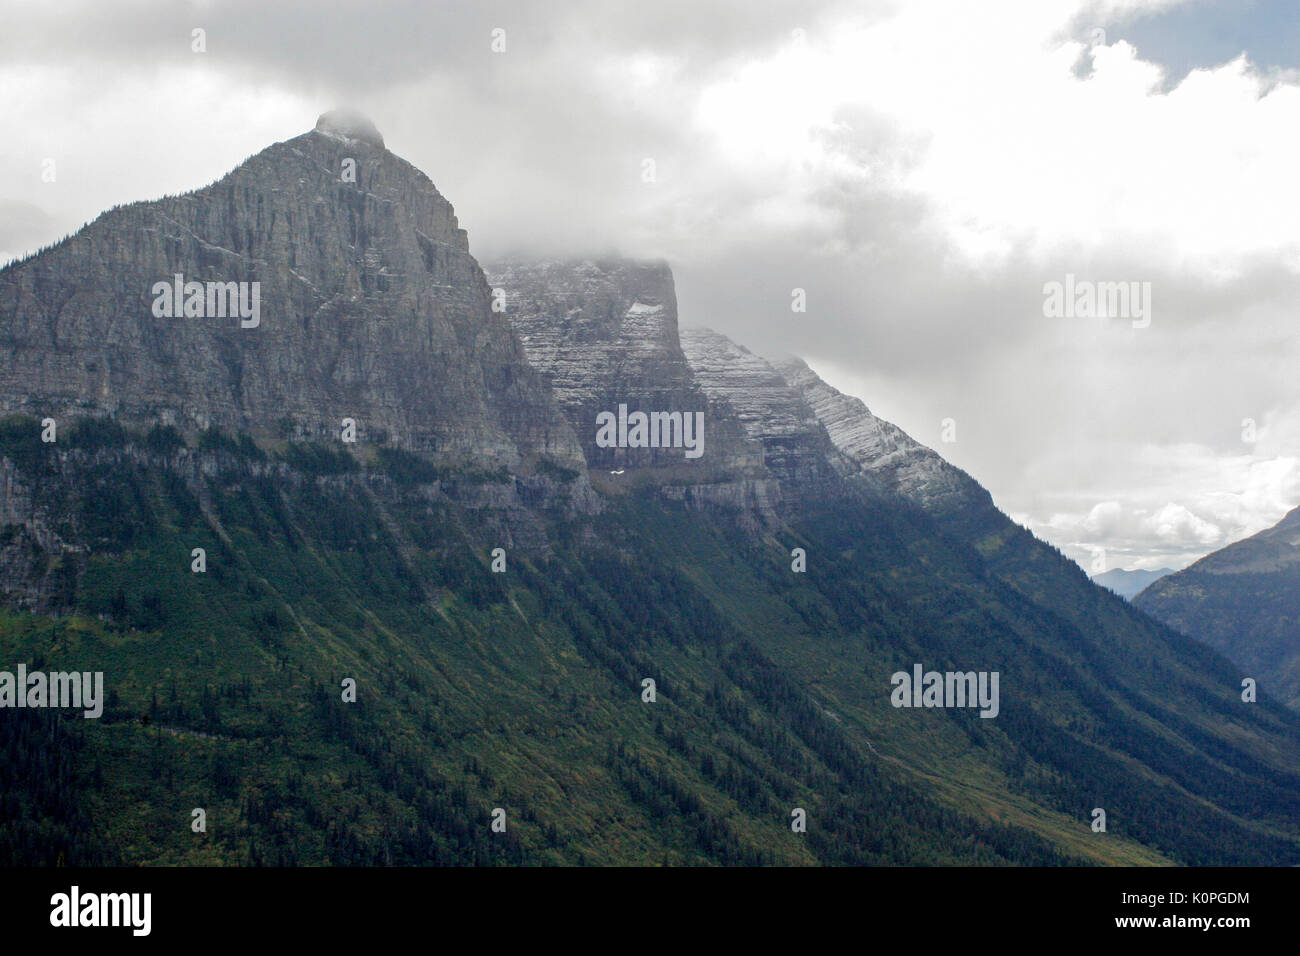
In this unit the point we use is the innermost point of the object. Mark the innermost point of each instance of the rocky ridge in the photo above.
(605, 333)
(883, 450)
(370, 308)
(796, 446)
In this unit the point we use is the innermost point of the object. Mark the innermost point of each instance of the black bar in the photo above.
(654, 906)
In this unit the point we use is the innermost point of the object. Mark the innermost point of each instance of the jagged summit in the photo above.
(369, 306)
(349, 125)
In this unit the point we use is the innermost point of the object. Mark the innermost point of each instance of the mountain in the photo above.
(1244, 601)
(491, 607)
(369, 306)
(1128, 584)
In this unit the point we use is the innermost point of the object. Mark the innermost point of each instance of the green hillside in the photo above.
(522, 690)
(1243, 601)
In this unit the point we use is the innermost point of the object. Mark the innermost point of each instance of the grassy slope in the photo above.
(522, 690)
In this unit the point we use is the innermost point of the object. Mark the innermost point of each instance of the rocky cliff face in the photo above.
(605, 334)
(597, 327)
(369, 306)
(325, 278)
(797, 449)
(813, 436)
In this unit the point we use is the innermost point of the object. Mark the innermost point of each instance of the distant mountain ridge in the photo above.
(1244, 601)
(1129, 583)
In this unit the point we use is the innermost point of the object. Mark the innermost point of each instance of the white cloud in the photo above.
(1174, 524)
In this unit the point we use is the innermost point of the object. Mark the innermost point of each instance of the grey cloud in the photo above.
(362, 47)
(24, 226)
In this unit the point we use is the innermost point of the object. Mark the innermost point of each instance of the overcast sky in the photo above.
(921, 169)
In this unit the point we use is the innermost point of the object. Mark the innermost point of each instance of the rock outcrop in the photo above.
(605, 334)
(796, 447)
(369, 306)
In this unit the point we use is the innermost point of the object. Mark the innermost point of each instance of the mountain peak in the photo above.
(368, 306)
(349, 124)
